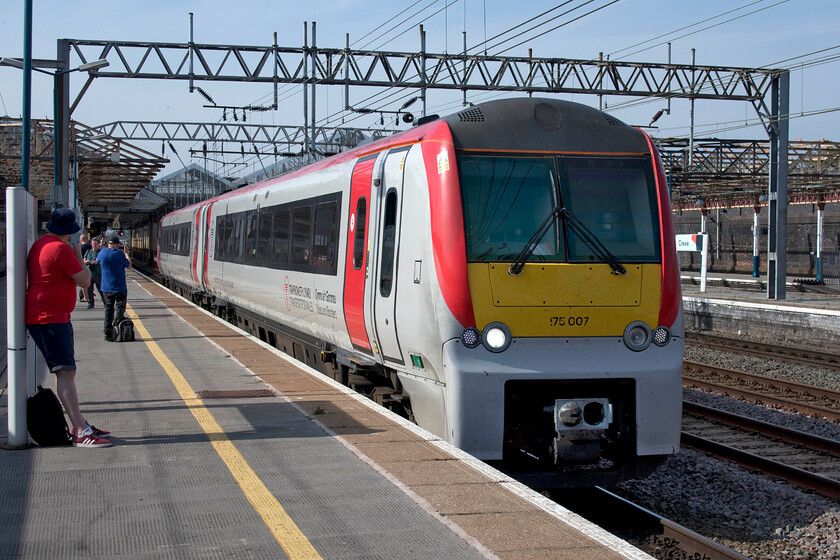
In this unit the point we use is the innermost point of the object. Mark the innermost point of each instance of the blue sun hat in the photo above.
(63, 221)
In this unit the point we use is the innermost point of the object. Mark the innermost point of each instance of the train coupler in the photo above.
(580, 425)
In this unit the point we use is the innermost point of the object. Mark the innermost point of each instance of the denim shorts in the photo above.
(55, 341)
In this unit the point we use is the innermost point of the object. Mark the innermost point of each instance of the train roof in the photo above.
(528, 124)
(541, 124)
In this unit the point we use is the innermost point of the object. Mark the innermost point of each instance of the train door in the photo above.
(356, 265)
(195, 245)
(386, 266)
(206, 246)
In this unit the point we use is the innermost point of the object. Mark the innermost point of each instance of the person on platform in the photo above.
(55, 269)
(90, 259)
(84, 242)
(114, 263)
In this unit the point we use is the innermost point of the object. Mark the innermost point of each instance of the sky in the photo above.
(792, 34)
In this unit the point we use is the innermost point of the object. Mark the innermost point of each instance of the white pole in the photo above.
(756, 241)
(820, 218)
(16, 245)
(704, 254)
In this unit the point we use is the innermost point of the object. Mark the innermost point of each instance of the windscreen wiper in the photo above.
(591, 240)
(586, 235)
(516, 268)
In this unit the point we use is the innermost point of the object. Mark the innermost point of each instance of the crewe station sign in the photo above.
(696, 242)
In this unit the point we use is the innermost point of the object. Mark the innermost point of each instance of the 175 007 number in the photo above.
(568, 321)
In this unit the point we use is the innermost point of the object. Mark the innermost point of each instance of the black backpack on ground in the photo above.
(45, 419)
(124, 331)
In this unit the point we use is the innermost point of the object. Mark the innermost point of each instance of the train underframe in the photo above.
(541, 452)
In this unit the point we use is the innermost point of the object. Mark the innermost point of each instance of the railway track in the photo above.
(783, 353)
(803, 459)
(651, 533)
(761, 389)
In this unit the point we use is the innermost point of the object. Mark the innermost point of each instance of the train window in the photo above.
(389, 234)
(237, 245)
(224, 232)
(220, 238)
(264, 237)
(505, 201)
(616, 199)
(280, 246)
(301, 235)
(175, 240)
(359, 236)
(323, 241)
(251, 235)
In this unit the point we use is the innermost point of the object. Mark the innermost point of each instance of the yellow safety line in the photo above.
(290, 537)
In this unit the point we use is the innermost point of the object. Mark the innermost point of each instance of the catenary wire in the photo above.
(685, 27)
(709, 27)
(478, 45)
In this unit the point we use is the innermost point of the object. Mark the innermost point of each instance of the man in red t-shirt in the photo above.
(55, 269)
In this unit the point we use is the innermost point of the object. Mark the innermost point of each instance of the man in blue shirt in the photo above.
(114, 290)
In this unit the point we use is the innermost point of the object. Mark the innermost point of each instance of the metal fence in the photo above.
(831, 267)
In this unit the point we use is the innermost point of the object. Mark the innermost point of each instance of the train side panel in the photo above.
(422, 319)
(306, 302)
(176, 247)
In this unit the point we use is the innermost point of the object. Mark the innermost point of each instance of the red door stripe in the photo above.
(354, 280)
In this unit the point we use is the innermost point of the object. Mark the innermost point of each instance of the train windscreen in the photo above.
(506, 199)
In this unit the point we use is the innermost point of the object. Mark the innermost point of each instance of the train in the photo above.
(505, 276)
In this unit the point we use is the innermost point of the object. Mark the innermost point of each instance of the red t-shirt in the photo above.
(51, 294)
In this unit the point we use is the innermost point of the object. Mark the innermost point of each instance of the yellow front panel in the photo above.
(563, 284)
(562, 299)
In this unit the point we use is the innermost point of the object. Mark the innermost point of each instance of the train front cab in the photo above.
(587, 354)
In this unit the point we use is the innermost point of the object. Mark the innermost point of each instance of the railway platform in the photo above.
(737, 304)
(223, 448)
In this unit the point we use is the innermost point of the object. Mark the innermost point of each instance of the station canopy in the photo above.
(107, 172)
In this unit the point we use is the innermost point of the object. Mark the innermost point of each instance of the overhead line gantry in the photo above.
(766, 89)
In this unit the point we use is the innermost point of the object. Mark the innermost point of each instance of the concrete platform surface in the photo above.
(222, 448)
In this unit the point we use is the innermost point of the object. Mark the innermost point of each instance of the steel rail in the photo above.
(809, 441)
(822, 485)
(767, 381)
(789, 354)
(629, 520)
(771, 383)
(763, 399)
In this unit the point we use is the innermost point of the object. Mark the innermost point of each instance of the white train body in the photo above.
(364, 257)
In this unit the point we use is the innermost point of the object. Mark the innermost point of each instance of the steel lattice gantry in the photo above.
(766, 89)
(247, 133)
(735, 172)
(726, 171)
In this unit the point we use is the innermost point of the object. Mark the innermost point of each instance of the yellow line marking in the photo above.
(290, 537)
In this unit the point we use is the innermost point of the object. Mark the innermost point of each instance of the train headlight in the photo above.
(496, 337)
(471, 337)
(637, 336)
(661, 336)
